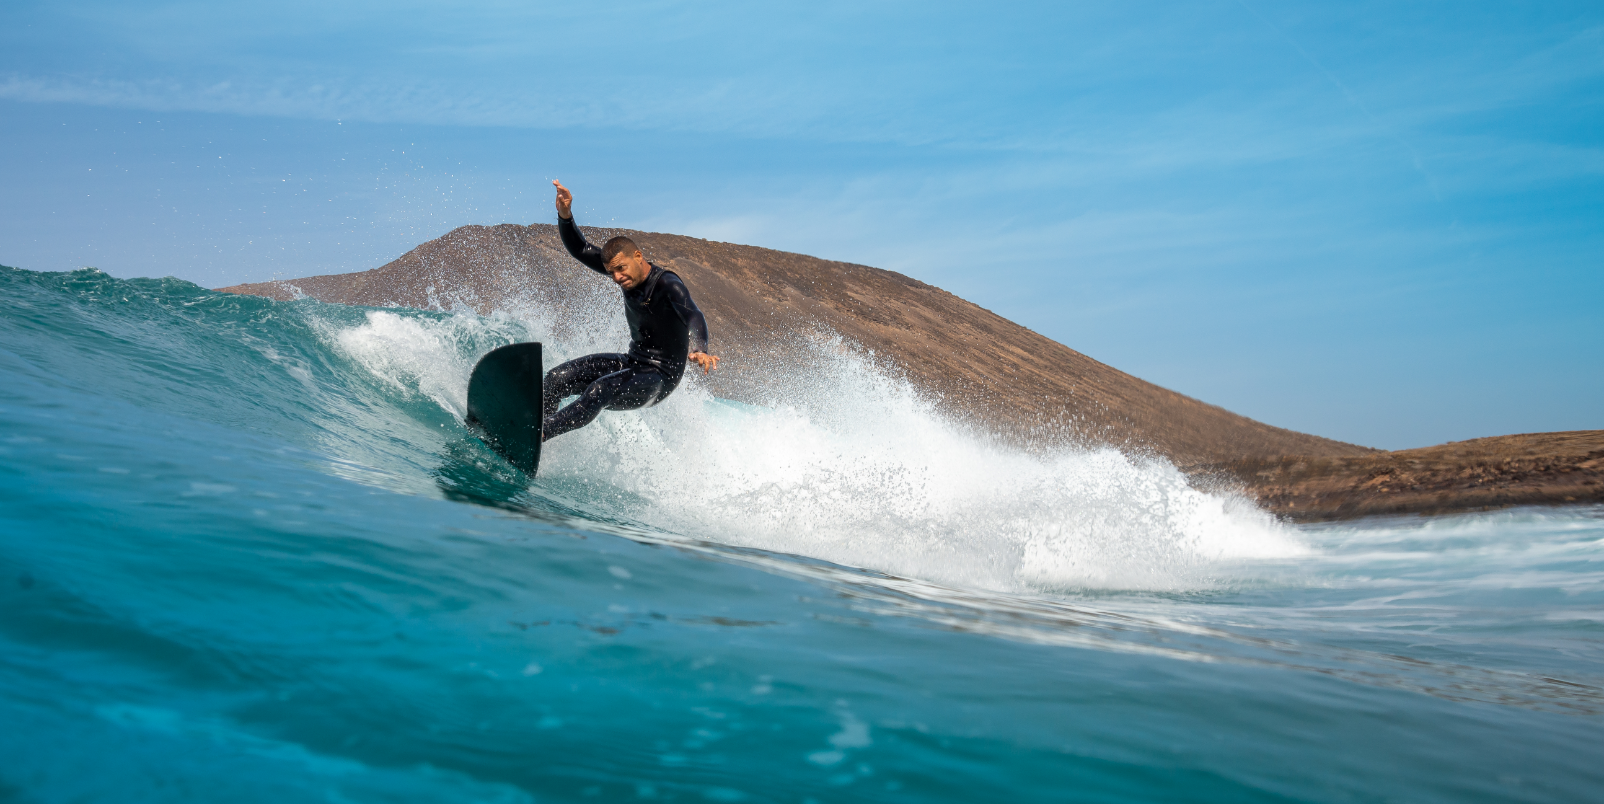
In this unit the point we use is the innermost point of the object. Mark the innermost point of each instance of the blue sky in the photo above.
(1379, 222)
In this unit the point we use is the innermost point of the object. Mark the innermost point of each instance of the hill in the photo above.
(984, 369)
(765, 308)
(1480, 474)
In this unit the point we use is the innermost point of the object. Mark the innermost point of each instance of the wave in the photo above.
(230, 526)
(845, 462)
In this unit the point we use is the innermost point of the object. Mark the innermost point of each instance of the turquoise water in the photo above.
(248, 553)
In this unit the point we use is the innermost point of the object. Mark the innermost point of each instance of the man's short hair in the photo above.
(616, 246)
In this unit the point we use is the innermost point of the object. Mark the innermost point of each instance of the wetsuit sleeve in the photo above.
(680, 297)
(582, 250)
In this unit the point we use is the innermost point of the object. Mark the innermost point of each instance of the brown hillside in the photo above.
(1484, 473)
(984, 368)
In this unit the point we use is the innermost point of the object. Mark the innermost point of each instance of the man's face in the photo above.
(629, 269)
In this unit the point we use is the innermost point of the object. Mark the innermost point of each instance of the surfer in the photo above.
(666, 331)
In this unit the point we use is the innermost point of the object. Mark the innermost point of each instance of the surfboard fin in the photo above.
(504, 403)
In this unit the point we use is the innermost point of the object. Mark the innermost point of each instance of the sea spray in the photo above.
(852, 465)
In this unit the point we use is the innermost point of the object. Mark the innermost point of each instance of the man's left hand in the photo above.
(706, 361)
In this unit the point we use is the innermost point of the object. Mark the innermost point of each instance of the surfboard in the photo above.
(504, 403)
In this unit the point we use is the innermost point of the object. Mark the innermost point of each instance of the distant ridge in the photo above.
(1476, 475)
(985, 368)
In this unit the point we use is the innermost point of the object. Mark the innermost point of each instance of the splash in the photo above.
(849, 464)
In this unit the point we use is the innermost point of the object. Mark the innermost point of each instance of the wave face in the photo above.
(249, 552)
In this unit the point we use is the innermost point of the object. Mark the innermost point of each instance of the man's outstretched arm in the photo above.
(680, 297)
(573, 239)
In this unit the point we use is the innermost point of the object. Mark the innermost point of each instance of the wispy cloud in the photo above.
(384, 102)
(1222, 182)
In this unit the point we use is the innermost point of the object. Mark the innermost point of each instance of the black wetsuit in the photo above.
(664, 326)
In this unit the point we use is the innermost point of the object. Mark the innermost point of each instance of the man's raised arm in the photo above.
(573, 239)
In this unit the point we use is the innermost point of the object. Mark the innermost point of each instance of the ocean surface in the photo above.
(249, 553)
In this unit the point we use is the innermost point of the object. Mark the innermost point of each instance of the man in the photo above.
(665, 328)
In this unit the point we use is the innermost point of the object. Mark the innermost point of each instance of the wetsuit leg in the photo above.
(573, 377)
(632, 387)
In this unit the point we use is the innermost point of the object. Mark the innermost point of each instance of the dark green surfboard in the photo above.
(504, 403)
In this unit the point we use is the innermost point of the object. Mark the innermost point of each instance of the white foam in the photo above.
(852, 466)
(430, 355)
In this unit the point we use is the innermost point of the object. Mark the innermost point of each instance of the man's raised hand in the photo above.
(565, 200)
